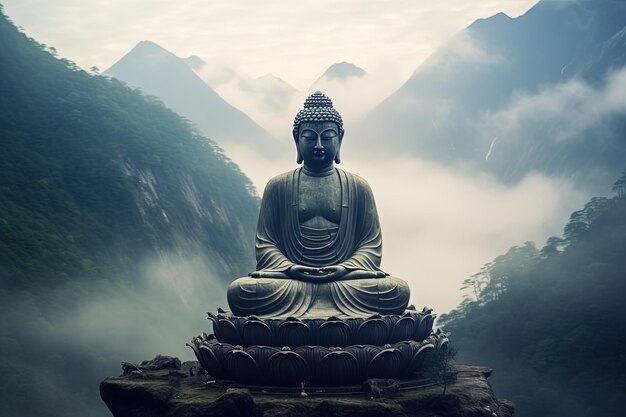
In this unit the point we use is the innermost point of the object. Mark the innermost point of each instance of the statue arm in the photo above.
(271, 262)
(365, 261)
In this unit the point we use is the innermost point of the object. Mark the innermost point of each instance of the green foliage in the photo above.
(97, 180)
(94, 175)
(552, 322)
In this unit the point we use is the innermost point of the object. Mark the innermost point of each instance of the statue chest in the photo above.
(319, 201)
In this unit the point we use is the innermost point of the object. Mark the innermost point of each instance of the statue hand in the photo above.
(362, 274)
(322, 274)
(268, 274)
(304, 273)
(333, 272)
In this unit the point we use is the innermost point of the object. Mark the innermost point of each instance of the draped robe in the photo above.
(281, 242)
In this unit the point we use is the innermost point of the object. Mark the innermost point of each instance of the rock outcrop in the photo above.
(174, 390)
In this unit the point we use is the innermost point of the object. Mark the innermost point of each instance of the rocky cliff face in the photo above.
(163, 387)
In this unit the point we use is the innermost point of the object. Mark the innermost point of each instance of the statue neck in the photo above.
(318, 172)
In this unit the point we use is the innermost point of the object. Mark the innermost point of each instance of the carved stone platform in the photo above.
(180, 392)
(317, 365)
(377, 330)
(334, 351)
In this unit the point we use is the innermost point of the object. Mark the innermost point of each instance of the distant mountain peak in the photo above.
(496, 19)
(275, 80)
(342, 71)
(160, 73)
(148, 46)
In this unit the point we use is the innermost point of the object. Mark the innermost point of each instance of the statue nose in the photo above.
(318, 143)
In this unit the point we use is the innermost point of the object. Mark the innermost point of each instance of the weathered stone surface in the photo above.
(376, 388)
(174, 393)
(159, 362)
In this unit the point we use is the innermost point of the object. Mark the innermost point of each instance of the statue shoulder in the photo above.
(280, 180)
(358, 181)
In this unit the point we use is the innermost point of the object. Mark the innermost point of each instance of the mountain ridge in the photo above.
(162, 74)
(445, 110)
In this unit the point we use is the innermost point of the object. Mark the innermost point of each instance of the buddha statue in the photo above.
(318, 240)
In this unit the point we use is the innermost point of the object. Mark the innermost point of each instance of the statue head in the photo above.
(318, 132)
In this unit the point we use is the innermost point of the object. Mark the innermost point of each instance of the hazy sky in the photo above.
(295, 40)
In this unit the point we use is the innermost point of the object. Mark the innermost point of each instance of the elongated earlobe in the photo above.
(299, 158)
(338, 156)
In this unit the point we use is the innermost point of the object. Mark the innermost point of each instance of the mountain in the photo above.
(162, 74)
(89, 165)
(271, 100)
(552, 322)
(341, 72)
(119, 226)
(501, 96)
(271, 90)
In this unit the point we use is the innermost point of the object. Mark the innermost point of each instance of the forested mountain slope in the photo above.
(94, 176)
(119, 227)
(552, 321)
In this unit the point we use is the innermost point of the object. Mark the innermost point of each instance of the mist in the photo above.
(272, 102)
(58, 345)
(569, 110)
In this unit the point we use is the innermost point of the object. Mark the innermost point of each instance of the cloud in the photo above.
(58, 345)
(440, 225)
(273, 104)
(561, 112)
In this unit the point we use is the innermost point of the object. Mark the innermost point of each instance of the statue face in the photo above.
(318, 143)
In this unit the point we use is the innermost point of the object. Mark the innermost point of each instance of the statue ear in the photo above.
(299, 158)
(338, 156)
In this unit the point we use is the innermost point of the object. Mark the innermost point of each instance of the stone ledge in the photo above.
(175, 393)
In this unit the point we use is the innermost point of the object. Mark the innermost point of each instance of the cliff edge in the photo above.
(163, 387)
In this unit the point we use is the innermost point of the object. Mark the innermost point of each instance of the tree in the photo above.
(620, 186)
(444, 366)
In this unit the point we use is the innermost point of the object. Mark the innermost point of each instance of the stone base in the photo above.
(172, 392)
(315, 365)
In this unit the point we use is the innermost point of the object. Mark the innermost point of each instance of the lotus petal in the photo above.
(409, 349)
(422, 357)
(425, 327)
(386, 364)
(261, 355)
(364, 355)
(209, 362)
(372, 331)
(293, 334)
(228, 332)
(287, 368)
(403, 329)
(334, 333)
(338, 368)
(256, 333)
(242, 367)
